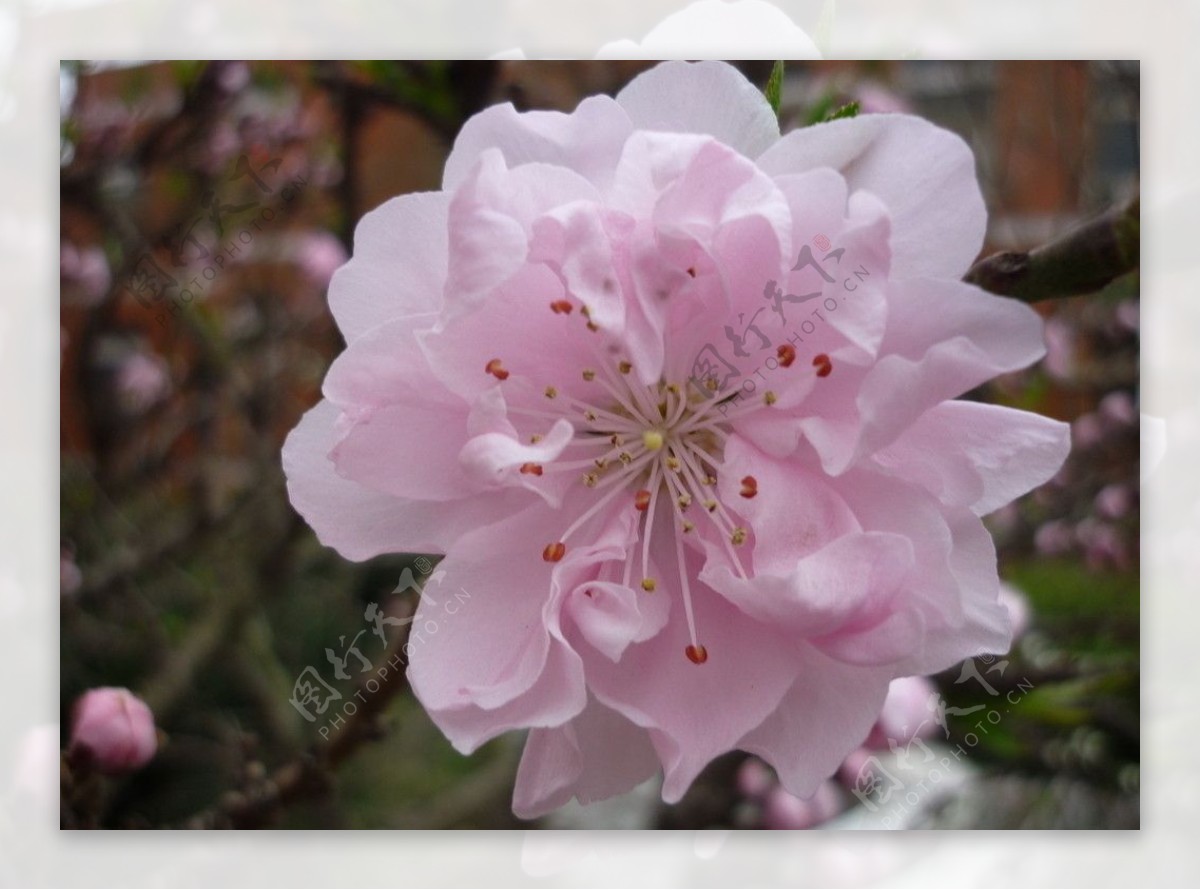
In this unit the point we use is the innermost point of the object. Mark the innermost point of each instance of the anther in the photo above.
(710, 479)
(823, 365)
(696, 654)
(589, 375)
(769, 398)
(710, 505)
(673, 464)
(554, 552)
(749, 487)
(738, 537)
(589, 415)
(551, 392)
(561, 307)
(685, 501)
(600, 463)
(531, 469)
(624, 367)
(590, 479)
(496, 368)
(625, 457)
(787, 355)
(641, 500)
(535, 438)
(688, 526)
(648, 585)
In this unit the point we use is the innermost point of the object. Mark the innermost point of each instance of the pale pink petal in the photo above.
(360, 522)
(495, 663)
(697, 711)
(924, 174)
(595, 756)
(943, 339)
(667, 98)
(398, 267)
(611, 616)
(978, 456)
(824, 719)
(588, 141)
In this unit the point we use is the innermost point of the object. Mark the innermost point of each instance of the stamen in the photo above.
(749, 487)
(561, 307)
(648, 585)
(738, 537)
(769, 398)
(496, 368)
(641, 500)
(531, 469)
(624, 367)
(551, 392)
(554, 552)
(787, 354)
(823, 365)
(589, 375)
(695, 647)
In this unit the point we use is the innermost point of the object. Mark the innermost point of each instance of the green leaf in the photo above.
(850, 109)
(774, 88)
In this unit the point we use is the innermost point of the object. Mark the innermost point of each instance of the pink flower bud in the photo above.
(113, 729)
(906, 712)
(754, 778)
(786, 812)
(1018, 608)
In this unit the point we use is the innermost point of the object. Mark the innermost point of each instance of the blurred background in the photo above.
(204, 207)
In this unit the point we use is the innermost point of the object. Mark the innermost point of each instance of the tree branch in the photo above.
(1082, 261)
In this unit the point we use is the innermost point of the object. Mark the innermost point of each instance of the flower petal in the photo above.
(588, 140)
(828, 710)
(398, 267)
(360, 522)
(978, 456)
(924, 174)
(595, 756)
(711, 98)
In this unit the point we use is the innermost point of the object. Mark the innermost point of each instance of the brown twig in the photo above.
(310, 774)
(1082, 261)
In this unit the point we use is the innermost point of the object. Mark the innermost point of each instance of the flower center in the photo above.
(654, 445)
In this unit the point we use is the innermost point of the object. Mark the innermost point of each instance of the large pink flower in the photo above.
(674, 396)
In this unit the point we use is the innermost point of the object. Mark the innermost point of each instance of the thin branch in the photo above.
(310, 774)
(1082, 261)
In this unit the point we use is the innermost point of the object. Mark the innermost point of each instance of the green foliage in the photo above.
(774, 89)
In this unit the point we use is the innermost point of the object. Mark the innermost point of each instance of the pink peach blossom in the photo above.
(113, 730)
(668, 559)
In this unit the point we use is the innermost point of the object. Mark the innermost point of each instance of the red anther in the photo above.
(554, 552)
(823, 365)
(696, 654)
(496, 368)
(561, 307)
(692, 271)
(531, 469)
(787, 354)
(749, 487)
(641, 500)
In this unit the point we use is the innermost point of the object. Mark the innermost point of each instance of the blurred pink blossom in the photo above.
(113, 730)
(141, 381)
